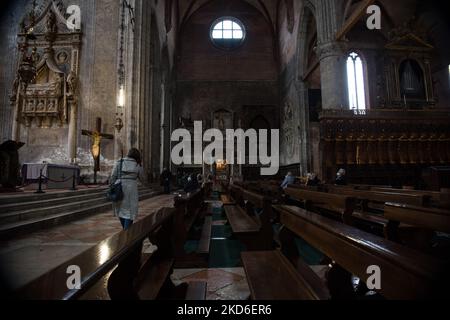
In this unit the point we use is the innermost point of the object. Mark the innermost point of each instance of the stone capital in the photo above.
(331, 49)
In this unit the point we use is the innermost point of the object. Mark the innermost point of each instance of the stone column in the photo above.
(333, 75)
(73, 132)
(163, 127)
(332, 55)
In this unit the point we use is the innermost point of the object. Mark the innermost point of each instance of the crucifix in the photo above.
(97, 137)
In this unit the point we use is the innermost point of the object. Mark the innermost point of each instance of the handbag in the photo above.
(115, 191)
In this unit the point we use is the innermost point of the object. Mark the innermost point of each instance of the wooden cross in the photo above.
(97, 137)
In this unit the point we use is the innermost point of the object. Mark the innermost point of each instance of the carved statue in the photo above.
(51, 107)
(288, 113)
(15, 87)
(30, 106)
(9, 164)
(41, 106)
(51, 22)
(35, 56)
(72, 83)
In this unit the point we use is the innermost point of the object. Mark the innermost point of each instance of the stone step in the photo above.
(63, 205)
(24, 205)
(11, 230)
(30, 197)
(49, 195)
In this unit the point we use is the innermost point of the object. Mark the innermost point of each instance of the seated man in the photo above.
(191, 184)
(341, 179)
(289, 179)
(312, 180)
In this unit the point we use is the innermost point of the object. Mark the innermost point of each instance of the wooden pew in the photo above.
(207, 187)
(374, 202)
(190, 208)
(416, 226)
(412, 231)
(271, 276)
(434, 197)
(405, 273)
(381, 198)
(340, 206)
(265, 188)
(116, 269)
(254, 231)
(428, 218)
(437, 198)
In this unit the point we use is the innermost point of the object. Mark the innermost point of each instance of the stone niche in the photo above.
(45, 95)
(43, 100)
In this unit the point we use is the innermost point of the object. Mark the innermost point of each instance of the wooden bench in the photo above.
(381, 198)
(416, 226)
(340, 206)
(428, 218)
(227, 200)
(190, 208)
(116, 269)
(265, 188)
(254, 231)
(271, 276)
(207, 189)
(405, 273)
(416, 223)
(437, 198)
(205, 239)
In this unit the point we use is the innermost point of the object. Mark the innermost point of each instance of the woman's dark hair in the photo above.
(136, 155)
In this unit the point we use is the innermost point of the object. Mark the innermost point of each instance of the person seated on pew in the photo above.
(127, 209)
(191, 184)
(289, 179)
(341, 179)
(312, 180)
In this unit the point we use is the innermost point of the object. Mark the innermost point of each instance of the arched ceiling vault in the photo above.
(268, 9)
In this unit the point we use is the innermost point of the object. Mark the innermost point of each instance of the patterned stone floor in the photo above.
(28, 257)
(223, 283)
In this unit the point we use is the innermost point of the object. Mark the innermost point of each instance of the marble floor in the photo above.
(28, 257)
(223, 283)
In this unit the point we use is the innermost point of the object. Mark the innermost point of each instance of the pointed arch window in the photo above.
(449, 75)
(356, 82)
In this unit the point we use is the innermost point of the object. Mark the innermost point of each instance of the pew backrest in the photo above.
(405, 273)
(427, 218)
(95, 262)
(382, 197)
(341, 204)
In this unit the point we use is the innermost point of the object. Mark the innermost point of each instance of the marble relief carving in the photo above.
(288, 131)
(53, 50)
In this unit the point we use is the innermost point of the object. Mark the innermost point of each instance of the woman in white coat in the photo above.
(127, 209)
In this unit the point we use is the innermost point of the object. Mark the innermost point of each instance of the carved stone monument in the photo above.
(44, 96)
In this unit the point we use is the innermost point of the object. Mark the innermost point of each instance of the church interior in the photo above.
(353, 97)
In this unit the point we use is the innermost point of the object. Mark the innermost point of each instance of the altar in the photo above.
(54, 176)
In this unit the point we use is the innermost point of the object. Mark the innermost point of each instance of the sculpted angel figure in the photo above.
(72, 83)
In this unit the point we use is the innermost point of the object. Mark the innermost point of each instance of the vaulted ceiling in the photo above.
(268, 8)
